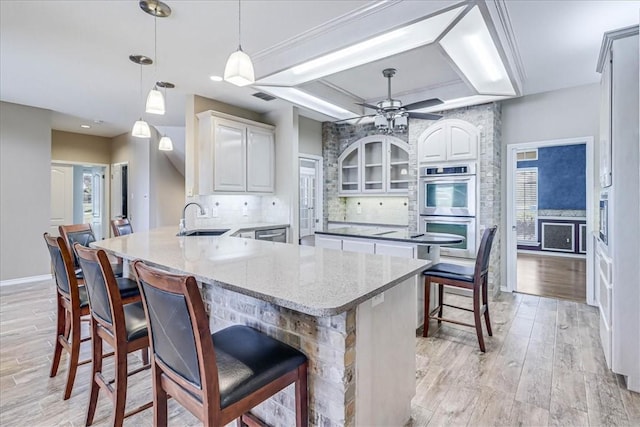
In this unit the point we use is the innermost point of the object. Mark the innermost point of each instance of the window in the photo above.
(527, 205)
(527, 155)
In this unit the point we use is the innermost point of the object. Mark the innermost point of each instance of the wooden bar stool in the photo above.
(122, 326)
(121, 227)
(217, 377)
(72, 305)
(462, 277)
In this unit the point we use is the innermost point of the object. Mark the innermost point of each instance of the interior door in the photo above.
(61, 197)
(308, 196)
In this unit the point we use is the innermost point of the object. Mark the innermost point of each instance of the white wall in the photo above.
(25, 174)
(310, 136)
(565, 113)
(166, 187)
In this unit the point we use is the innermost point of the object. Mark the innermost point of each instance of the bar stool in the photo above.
(72, 304)
(218, 377)
(122, 326)
(462, 277)
(121, 227)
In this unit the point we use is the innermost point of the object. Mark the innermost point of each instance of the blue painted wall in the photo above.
(561, 176)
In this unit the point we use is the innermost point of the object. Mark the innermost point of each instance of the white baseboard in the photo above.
(22, 280)
(556, 254)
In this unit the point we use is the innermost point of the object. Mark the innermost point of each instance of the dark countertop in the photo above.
(397, 236)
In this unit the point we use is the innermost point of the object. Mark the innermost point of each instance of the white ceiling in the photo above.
(72, 57)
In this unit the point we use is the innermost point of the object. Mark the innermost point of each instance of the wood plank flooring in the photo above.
(543, 366)
(552, 276)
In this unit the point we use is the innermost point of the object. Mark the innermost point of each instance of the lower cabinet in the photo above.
(359, 246)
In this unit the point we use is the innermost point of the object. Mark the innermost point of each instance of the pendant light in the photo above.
(165, 144)
(155, 100)
(239, 69)
(140, 127)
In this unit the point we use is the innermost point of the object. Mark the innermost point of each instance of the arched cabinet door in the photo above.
(448, 140)
(376, 164)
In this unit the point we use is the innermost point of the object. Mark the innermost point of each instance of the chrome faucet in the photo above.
(183, 226)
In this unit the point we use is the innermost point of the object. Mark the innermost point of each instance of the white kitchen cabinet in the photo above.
(395, 249)
(235, 155)
(448, 140)
(363, 246)
(377, 164)
(328, 242)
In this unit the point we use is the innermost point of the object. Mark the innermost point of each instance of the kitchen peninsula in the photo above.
(351, 313)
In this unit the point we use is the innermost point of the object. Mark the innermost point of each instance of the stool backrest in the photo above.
(484, 253)
(180, 337)
(121, 227)
(77, 233)
(62, 266)
(102, 289)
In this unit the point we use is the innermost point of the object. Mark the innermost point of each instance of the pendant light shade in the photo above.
(239, 69)
(141, 129)
(155, 102)
(165, 144)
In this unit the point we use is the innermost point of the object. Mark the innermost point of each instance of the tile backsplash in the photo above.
(237, 209)
(376, 210)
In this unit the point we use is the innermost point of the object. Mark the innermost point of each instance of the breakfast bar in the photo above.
(352, 314)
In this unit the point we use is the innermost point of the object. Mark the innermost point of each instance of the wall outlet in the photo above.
(245, 210)
(359, 209)
(190, 192)
(214, 212)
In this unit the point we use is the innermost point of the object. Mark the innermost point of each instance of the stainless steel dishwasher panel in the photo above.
(272, 235)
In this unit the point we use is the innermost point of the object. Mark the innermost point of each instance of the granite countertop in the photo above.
(398, 236)
(315, 281)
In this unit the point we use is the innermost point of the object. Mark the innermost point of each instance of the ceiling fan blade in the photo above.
(425, 116)
(354, 118)
(364, 104)
(423, 104)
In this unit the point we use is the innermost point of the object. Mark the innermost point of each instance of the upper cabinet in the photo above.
(376, 164)
(448, 140)
(234, 155)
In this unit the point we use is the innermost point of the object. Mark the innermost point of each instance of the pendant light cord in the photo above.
(141, 97)
(239, 26)
(155, 46)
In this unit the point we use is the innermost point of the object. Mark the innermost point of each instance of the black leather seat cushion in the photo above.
(248, 359)
(128, 287)
(135, 321)
(450, 271)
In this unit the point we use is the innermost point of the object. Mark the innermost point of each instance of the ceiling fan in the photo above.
(392, 115)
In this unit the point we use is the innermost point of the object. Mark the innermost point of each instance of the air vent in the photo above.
(264, 96)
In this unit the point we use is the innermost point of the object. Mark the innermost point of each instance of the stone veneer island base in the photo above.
(352, 314)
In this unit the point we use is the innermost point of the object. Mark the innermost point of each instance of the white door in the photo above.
(61, 197)
(309, 196)
(97, 201)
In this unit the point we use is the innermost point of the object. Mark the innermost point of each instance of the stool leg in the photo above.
(57, 352)
(159, 399)
(120, 385)
(440, 301)
(485, 303)
(476, 316)
(302, 408)
(427, 303)
(73, 356)
(96, 367)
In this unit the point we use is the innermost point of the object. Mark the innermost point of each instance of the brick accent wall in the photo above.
(329, 342)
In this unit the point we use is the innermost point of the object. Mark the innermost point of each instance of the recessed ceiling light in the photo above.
(85, 126)
(215, 78)
(98, 122)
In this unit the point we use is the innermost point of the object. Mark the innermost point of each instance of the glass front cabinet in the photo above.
(374, 164)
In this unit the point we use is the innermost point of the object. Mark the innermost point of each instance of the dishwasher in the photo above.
(272, 235)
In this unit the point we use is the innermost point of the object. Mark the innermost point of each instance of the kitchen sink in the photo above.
(206, 232)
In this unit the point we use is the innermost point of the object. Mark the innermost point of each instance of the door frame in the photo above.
(319, 212)
(511, 238)
(106, 196)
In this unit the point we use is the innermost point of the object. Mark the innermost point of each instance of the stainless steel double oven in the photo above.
(447, 203)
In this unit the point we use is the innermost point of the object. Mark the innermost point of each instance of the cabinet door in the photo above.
(260, 160)
(229, 156)
(328, 242)
(396, 250)
(432, 145)
(367, 247)
(398, 168)
(373, 157)
(349, 164)
(463, 140)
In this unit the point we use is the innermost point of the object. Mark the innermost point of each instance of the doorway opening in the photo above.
(78, 196)
(310, 201)
(549, 217)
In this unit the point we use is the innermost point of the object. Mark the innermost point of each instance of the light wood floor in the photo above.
(552, 276)
(543, 366)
